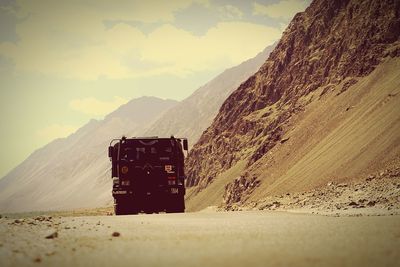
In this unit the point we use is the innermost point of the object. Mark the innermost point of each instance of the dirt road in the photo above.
(201, 239)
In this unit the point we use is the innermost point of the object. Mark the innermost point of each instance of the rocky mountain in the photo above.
(75, 171)
(194, 114)
(323, 108)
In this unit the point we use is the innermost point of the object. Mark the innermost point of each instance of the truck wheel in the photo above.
(120, 207)
(134, 212)
(176, 204)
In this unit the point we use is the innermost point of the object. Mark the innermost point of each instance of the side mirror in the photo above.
(185, 144)
(110, 151)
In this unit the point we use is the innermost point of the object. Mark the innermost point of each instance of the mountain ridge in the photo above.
(46, 179)
(330, 46)
(90, 172)
(195, 113)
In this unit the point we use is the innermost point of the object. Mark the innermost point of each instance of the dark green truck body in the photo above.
(148, 174)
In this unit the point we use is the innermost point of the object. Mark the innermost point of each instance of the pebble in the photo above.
(52, 235)
(116, 234)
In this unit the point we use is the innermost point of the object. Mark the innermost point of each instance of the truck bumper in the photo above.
(167, 191)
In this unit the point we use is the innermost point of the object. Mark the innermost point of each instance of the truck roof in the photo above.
(154, 137)
(150, 138)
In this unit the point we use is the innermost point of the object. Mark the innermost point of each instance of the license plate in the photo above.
(174, 190)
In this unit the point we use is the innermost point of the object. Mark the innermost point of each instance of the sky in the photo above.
(63, 63)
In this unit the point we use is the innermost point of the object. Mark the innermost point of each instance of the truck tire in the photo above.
(176, 204)
(119, 208)
(122, 207)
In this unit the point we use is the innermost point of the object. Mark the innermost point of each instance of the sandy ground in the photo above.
(254, 238)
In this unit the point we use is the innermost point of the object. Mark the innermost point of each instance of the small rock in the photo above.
(52, 235)
(353, 203)
(40, 218)
(116, 234)
(371, 203)
(37, 259)
(284, 140)
(370, 178)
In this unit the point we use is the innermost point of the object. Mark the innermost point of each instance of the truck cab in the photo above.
(148, 174)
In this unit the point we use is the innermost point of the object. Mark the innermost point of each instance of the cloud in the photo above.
(230, 12)
(59, 39)
(93, 106)
(284, 9)
(228, 43)
(110, 53)
(54, 131)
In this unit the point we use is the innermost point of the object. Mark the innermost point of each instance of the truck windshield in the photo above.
(142, 151)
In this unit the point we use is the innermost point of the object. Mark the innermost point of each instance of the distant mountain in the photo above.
(324, 107)
(74, 171)
(194, 114)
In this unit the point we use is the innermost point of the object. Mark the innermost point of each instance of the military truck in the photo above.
(148, 174)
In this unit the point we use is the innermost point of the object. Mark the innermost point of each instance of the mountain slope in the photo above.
(74, 171)
(194, 114)
(325, 58)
